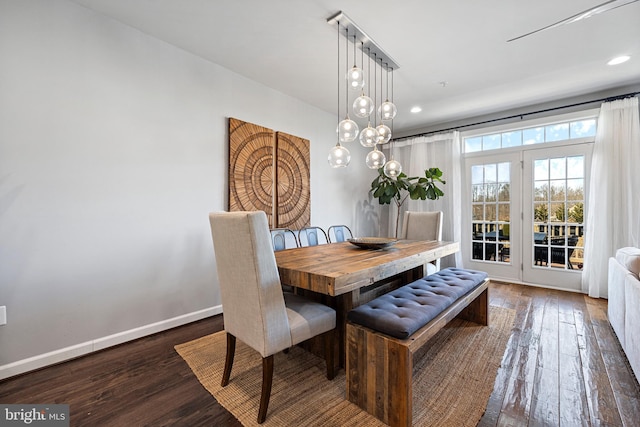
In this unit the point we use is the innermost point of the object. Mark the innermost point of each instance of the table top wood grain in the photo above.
(337, 268)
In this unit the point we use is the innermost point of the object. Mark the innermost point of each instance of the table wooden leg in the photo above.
(344, 303)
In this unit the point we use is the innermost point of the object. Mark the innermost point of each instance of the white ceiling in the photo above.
(288, 45)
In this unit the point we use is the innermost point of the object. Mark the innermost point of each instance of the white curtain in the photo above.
(613, 210)
(424, 152)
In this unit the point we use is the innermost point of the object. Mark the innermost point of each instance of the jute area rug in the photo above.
(452, 380)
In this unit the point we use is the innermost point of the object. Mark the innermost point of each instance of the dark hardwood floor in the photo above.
(563, 366)
(141, 383)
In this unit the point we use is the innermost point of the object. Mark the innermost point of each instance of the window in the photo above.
(558, 211)
(524, 199)
(532, 135)
(491, 217)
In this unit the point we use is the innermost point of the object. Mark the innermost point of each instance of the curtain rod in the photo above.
(608, 99)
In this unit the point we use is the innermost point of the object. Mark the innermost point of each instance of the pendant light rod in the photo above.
(341, 19)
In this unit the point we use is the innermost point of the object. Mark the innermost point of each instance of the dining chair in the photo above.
(340, 233)
(312, 236)
(283, 238)
(423, 226)
(255, 310)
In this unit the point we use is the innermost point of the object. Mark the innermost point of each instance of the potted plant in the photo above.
(386, 189)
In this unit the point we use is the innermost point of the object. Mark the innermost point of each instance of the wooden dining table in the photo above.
(344, 276)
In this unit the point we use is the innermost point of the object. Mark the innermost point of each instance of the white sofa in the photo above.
(624, 302)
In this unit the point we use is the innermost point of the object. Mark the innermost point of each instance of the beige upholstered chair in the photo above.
(255, 309)
(423, 226)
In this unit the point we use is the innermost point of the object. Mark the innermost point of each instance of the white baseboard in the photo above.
(535, 285)
(71, 352)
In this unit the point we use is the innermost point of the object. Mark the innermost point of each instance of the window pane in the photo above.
(503, 192)
(557, 168)
(558, 190)
(575, 167)
(491, 142)
(558, 235)
(504, 212)
(478, 193)
(504, 172)
(575, 189)
(533, 136)
(583, 128)
(490, 173)
(473, 144)
(490, 213)
(476, 231)
(557, 212)
(557, 132)
(541, 169)
(477, 213)
(477, 174)
(477, 251)
(541, 212)
(511, 139)
(492, 192)
(541, 191)
(575, 213)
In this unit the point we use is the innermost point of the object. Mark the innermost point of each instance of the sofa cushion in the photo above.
(629, 257)
(632, 323)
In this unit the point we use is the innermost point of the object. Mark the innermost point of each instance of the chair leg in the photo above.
(267, 379)
(329, 354)
(228, 363)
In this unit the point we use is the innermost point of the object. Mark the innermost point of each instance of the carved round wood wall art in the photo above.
(251, 172)
(269, 171)
(293, 181)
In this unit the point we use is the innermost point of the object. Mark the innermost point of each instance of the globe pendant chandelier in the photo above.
(392, 168)
(375, 159)
(339, 156)
(347, 128)
(363, 105)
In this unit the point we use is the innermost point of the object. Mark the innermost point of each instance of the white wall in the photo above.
(113, 149)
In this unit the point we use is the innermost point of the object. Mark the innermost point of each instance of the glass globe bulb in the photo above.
(375, 159)
(347, 130)
(355, 78)
(392, 168)
(384, 132)
(339, 157)
(387, 110)
(369, 136)
(363, 106)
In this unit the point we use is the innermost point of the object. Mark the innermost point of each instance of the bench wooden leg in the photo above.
(379, 376)
(400, 399)
(478, 310)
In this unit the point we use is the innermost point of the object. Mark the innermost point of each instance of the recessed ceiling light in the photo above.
(416, 109)
(619, 60)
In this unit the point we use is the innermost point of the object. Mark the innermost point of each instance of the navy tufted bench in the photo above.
(384, 334)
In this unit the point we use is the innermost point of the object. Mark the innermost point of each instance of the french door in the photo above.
(555, 195)
(491, 225)
(523, 215)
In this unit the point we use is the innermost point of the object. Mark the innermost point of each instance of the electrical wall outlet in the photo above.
(3, 315)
